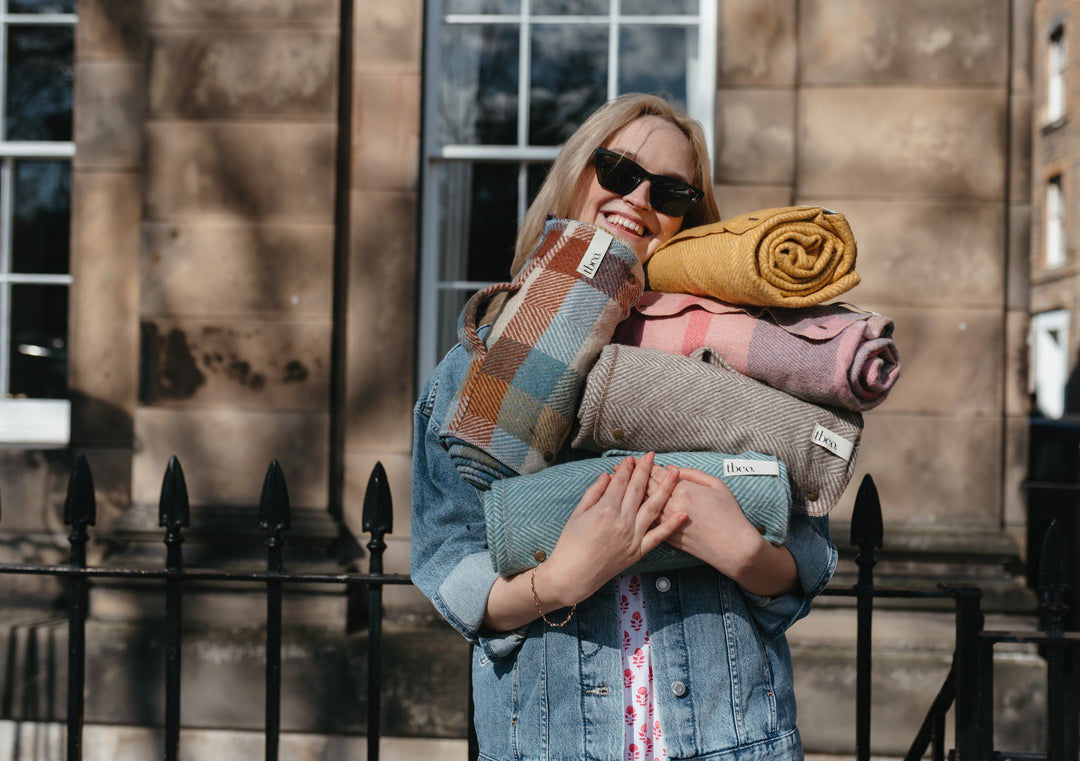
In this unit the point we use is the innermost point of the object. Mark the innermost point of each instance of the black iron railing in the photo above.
(968, 687)
(173, 513)
(967, 691)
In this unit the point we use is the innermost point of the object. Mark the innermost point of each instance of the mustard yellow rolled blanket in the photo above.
(793, 256)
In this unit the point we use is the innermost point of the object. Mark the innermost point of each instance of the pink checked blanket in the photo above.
(830, 354)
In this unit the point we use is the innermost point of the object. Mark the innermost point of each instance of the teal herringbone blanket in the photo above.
(525, 515)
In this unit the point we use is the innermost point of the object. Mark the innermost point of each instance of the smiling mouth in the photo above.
(625, 224)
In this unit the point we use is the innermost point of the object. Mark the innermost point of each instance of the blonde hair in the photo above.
(569, 176)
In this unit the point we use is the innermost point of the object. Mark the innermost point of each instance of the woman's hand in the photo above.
(620, 518)
(613, 526)
(717, 532)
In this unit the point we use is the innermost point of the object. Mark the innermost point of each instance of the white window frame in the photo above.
(700, 97)
(1057, 61)
(1054, 255)
(1048, 343)
(26, 422)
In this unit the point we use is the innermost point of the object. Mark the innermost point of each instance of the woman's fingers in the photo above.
(700, 477)
(594, 493)
(662, 530)
(639, 481)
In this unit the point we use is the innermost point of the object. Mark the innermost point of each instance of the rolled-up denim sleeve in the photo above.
(815, 561)
(450, 562)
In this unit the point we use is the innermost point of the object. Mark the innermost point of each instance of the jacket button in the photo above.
(540, 556)
(618, 433)
(812, 496)
(678, 689)
(663, 584)
(761, 530)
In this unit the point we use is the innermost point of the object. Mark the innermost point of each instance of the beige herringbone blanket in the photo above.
(792, 256)
(646, 399)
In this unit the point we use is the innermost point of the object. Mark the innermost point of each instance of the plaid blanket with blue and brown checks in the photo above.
(520, 394)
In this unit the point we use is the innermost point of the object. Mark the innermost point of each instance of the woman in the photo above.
(577, 659)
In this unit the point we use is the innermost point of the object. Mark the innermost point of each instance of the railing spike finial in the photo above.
(378, 515)
(274, 501)
(867, 529)
(174, 510)
(80, 506)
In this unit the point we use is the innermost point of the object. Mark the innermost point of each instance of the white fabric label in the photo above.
(751, 467)
(598, 247)
(834, 442)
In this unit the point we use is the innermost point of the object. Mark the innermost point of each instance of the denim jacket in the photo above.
(720, 658)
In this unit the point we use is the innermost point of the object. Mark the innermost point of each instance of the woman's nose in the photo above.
(639, 196)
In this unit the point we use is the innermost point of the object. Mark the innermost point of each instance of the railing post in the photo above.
(174, 514)
(974, 670)
(274, 517)
(1053, 586)
(866, 534)
(378, 520)
(80, 512)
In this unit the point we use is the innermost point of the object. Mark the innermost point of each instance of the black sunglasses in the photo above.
(667, 195)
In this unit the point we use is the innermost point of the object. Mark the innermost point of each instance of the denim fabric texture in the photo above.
(555, 694)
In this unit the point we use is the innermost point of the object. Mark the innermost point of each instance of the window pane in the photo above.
(478, 221)
(42, 217)
(451, 302)
(478, 84)
(536, 175)
(39, 77)
(653, 59)
(482, 6)
(41, 6)
(658, 7)
(38, 341)
(569, 79)
(570, 7)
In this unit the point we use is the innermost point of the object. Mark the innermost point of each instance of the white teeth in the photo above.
(626, 224)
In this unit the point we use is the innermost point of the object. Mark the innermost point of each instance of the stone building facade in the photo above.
(245, 277)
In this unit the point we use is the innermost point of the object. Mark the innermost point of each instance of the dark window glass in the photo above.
(41, 6)
(482, 6)
(569, 79)
(39, 79)
(653, 59)
(42, 219)
(570, 7)
(479, 220)
(658, 7)
(38, 341)
(451, 303)
(478, 84)
(537, 173)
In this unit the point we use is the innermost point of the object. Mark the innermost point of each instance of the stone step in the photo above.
(912, 654)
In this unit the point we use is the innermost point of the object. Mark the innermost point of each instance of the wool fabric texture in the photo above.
(833, 354)
(648, 399)
(791, 256)
(525, 515)
(520, 393)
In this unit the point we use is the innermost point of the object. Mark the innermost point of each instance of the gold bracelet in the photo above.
(539, 607)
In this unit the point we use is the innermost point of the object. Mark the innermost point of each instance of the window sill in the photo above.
(37, 423)
(1053, 126)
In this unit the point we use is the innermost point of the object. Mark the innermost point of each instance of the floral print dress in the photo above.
(643, 735)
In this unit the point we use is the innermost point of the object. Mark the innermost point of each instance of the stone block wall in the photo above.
(384, 249)
(913, 120)
(236, 260)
